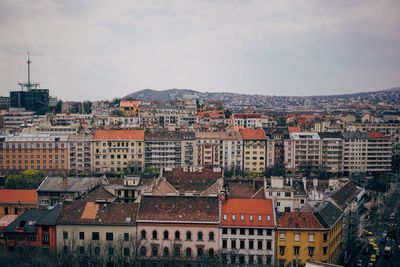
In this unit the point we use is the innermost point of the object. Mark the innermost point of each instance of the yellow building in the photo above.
(254, 150)
(305, 236)
(130, 108)
(117, 150)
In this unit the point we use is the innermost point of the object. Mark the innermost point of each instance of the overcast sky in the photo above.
(104, 49)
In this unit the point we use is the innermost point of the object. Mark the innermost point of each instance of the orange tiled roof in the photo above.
(119, 135)
(129, 103)
(11, 196)
(253, 134)
(375, 135)
(247, 212)
(298, 220)
(294, 129)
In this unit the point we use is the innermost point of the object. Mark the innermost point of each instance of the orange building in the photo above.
(16, 202)
(35, 152)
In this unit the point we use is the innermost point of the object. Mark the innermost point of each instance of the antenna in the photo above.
(29, 86)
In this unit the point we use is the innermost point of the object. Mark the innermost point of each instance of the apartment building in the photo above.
(130, 108)
(303, 151)
(254, 150)
(183, 227)
(287, 194)
(16, 202)
(309, 235)
(39, 151)
(209, 149)
(366, 152)
(332, 151)
(170, 149)
(17, 117)
(247, 231)
(117, 150)
(80, 154)
(232, 157)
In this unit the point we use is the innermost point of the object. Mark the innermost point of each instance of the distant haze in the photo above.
(104, 49)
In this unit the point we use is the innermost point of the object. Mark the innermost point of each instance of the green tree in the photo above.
(29, 179)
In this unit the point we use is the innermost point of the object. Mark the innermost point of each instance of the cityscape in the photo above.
(187, 177)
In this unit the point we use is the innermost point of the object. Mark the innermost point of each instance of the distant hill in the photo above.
(391, 95)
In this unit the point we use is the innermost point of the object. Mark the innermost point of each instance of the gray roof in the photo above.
(328, 214)
(169, 136)
(324, 135)
(355, 135)
(74, 184)
(33, 217)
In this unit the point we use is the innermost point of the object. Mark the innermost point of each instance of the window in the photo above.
(311, 251)
(282, 236)
(287, 209)
(233, 231)
(251, 217)
(242, 231)
(251, 231)
(259, 244)
(251, 244)
(188, 235)
(177, 235)
(81, 235)
(165, 252)
(260, 232)
(224, 243)
(143, 251)
(126, 251)
(177, 252)
(224, 231)
(278, 204)
(325, 237)
(288, 194)
(109, 236)
(296, 237)
(241, 244)
(200, 252)
(166, 235)
(311, 237)
(65, 235)
(154, 251)
(154, 235)
(242, 217)
(211, 253)
(269, 245)
(233, 243)
(143, 234)
(211, 236)
(233, 217)
(259, 217)
(324, 250)
(95, 236)
(188, 252)
(32, 237)
(200, 236)
(126, 237)
(110, 251)
(225, 217)
(269, 232)
(282, 250)
(296, 250)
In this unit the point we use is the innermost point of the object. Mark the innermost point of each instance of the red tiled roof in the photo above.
(214, 114)
(246, 115)
(298, 220)
(253, 134)
(129, 103)
(18, 196)
(119, 135)
(376, 135)
(294, 129)
(247, 212)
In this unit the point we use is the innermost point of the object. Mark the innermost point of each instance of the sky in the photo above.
(93, 50)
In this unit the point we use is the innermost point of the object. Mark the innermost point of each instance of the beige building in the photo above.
(184, 227)
(254, 150)
(117, 150)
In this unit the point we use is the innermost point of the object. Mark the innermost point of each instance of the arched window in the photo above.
(154, 235)
(211, 253)
(200, 252)
(177, 252)
(143, 251)
(143, 234)
(188, 235)
(200, 236)
(188, 252)
(166, 252)
(154, 251)
(166, 235)
(211, 236)
(177, 235)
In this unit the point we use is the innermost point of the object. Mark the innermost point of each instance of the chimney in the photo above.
(65, 182)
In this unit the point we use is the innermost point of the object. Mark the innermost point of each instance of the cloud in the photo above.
(106, 49)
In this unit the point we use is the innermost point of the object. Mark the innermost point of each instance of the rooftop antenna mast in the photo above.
(29, 86)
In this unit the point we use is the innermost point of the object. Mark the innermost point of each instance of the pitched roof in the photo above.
(13, 196)
(293, 129)
(247, 212)
(194, 182)
(179, 209)
(6, 220)
(243, 189)
(69, 184)
(253, 134)
(116, 135)
(324, 135)
(305, 220)
(328, 215)
(98, 208)
(376, 135)
(169, 136)
(345, 195)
